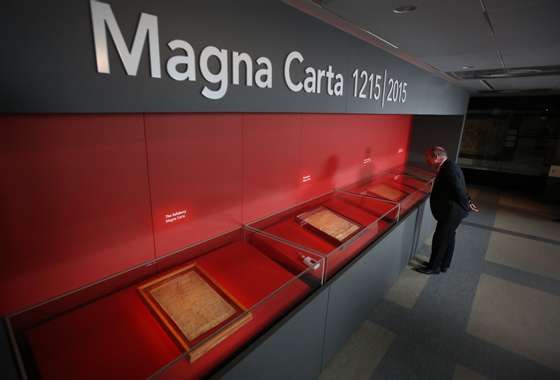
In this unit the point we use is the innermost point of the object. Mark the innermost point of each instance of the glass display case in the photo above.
(396, 186)
(336, 226)
(415, 171)
(185, 314)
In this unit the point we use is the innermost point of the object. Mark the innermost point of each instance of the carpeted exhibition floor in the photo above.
(494, 315)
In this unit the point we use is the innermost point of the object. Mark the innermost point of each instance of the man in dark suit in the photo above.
(450, 204)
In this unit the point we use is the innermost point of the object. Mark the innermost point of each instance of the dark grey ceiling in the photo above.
(446, 35)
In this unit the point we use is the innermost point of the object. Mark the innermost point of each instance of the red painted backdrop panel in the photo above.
(334, 148)
(321, 153)
(272, 158)
(74, 203)
(390, 135)
(196, 165)
(75, 190)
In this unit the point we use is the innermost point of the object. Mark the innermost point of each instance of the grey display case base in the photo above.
(300, 345)
(8, 367)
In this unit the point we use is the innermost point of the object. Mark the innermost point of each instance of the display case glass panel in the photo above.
(197, 307)
(404, 189)
(337, 225)
(415, 171)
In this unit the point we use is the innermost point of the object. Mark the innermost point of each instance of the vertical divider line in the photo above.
(325, 330)
(300, 191)
(408, 137)
(243, 171)
(347, 95)
(149, 185)
(384, 85)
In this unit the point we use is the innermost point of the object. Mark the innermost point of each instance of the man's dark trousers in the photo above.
(443, 242)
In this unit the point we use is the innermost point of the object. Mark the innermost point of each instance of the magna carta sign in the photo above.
(182, 66)
(211, 56)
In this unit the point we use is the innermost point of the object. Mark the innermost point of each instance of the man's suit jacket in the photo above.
(449, 195)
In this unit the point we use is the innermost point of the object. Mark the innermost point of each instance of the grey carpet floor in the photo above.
(488, 317)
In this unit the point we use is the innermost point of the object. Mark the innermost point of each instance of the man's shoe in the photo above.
(427, 270)
(444, 270)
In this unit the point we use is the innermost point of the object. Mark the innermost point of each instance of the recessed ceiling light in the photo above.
(467, 67)
(404, 9)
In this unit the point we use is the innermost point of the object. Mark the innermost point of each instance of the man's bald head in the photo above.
(435, 156)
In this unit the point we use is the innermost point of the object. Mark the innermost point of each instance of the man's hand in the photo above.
(473, 207)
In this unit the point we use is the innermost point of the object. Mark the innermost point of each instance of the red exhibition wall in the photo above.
(85, 196)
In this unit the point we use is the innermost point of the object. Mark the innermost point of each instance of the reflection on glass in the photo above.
(184, 314)
(343, 225)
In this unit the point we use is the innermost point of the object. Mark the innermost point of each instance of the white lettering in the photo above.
(313, 81)
(263, 76)
(236, 60)
(339, 85)
(320, 76)
(295, 55)
(330, 76)
(101, 16)
(310, 80)
(188, 59)
(221, 77)
(214, 62)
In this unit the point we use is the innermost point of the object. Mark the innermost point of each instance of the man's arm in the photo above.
(458, 188)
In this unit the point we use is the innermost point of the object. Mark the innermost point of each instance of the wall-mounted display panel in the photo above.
(197, 307)
(74, 201)
(272, 168)
(195, 164)
(166, 180)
